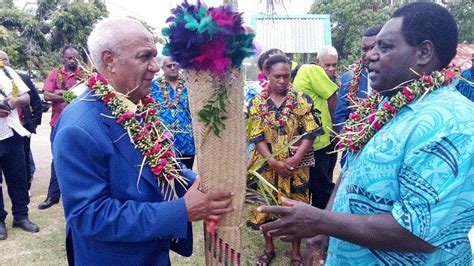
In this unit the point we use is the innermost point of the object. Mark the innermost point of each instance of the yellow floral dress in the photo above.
(301, 119)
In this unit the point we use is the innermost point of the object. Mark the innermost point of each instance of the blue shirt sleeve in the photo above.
(342, 107)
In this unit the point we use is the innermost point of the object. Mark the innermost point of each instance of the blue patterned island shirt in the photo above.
(177, 118)
(420, 168)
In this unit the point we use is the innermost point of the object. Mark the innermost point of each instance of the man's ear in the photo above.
(425, 53)
(109, 61)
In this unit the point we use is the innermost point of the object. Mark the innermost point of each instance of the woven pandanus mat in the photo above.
(221, 161)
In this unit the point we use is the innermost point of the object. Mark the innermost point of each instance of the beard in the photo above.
(72, 67)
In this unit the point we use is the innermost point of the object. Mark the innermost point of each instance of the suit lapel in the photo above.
(121, 141)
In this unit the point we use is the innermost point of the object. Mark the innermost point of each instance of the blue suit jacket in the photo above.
(114, 216)
(342, 108)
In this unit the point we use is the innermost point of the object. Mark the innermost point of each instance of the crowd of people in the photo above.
(408, 182)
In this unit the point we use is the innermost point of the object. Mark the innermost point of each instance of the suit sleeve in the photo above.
(35, 100)
(342, 107)
(82, 169)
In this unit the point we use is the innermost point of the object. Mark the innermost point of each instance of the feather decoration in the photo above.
(204, 38)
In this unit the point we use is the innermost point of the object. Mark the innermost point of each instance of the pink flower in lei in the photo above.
(366, 120)
(146, 132)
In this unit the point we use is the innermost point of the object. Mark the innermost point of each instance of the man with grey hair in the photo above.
(118, 207)
(327, 59)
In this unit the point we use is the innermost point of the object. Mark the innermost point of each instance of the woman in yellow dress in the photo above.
(277, 115)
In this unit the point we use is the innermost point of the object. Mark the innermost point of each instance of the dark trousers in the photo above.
(53, 189)
(13, 167)
(189, 162)
(28, 160)
(320, 176)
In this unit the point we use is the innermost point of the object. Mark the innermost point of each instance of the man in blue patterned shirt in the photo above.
(171, 95)
(408, 196)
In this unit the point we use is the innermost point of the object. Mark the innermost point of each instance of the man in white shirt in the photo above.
(13, 94)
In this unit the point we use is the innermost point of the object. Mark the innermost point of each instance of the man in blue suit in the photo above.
(115, 211)
(342, 107)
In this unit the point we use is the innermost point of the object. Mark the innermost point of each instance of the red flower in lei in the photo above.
(282, 120)
(354, 83)
(366, 120)
(179, 91)
(146, 132)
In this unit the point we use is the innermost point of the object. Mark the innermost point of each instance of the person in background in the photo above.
(58, 82)
(466, 83)
(13, 95)
(171, 95)
(327, 58)
(276, 116)
(30, 117)
(362, 82)
(342, 107)
(313, 80)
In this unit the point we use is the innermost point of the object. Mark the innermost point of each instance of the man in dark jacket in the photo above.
(30, 118)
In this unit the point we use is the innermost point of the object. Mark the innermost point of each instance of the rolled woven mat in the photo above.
(221, 161)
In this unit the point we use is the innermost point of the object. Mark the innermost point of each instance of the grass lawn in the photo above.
(47, 247)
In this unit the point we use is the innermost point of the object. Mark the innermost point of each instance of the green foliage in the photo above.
(213, 113)
(463, 12)
(34, 41)
(349, 19)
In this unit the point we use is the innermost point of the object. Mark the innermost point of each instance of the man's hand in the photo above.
(59, 92)
(315, 252)
(4, 113)
(293, 161)
(201, 206)
(297, 220)
(281, 167)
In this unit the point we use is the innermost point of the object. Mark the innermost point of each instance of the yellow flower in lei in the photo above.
(15, 91)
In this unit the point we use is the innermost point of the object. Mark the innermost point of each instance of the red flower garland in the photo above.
(281, 121)
(146, 132)
(366, 120)
(179, 91)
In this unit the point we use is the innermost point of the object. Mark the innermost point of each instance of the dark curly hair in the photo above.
(265, 55)
(428, 21)
(272, 60)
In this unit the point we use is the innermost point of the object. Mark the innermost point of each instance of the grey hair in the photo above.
(110, 34)
(160, 59)
(327, 50)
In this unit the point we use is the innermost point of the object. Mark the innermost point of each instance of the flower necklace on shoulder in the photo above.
(354, 83)
(15, 90)
(282, 120)
(366, 120)
(146, 132)
(61, 78)
(179, 91)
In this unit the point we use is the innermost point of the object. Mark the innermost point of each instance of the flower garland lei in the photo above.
(366, 120)
(146, 133)
(354, 83)
(15, 90)
(61, 77)
(179, 91)
(281, 121)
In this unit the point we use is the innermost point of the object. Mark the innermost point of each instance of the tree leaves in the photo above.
(212, 114)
